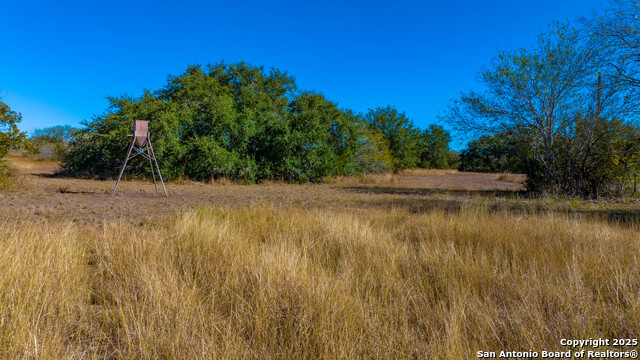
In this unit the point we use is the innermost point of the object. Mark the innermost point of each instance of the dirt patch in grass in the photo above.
(467, 181)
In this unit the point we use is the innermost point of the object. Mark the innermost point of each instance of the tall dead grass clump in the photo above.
(427, 172)
(294, 283)
(514, 178)
(387, 178)
(223, 180)
(6, 176)
(43, 291)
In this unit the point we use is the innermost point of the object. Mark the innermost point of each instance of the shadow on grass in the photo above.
(422, 200)
(64, 175)
(64, 190)
(410, 191)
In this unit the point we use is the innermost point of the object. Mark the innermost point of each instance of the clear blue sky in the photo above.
(59, 59)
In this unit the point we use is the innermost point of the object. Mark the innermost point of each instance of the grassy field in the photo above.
(427, 265)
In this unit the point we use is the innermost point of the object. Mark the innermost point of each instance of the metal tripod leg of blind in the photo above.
(152, 173)
(157, 167)
(123, 166)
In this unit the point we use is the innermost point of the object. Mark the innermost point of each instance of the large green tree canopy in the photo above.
(400, 134)
(245, 123)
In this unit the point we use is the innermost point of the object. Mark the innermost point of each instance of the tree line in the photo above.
(563, 111)
(250, 124)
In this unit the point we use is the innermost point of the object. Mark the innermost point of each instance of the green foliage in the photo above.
(530, 93)
(374, 156)
(236, 121)
(594, 157)
(555, 112)
(399, 133)
(493, 153)
(10, 136)
(55, 138)
(599, 157)
(435, 152)
(59, 133)
(504, 152)
(245, 123)
(321, 139)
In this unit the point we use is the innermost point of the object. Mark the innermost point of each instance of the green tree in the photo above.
(373, 154)
(10, 136)
(233, 120)
(435, 152)
(533, 95)
(321, 139)
(599, 157)
(494, 153)
(56, 137)
(399, 133)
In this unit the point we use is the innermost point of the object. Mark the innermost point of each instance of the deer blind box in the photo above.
(141, 145)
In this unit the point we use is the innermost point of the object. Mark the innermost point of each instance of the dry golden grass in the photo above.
(515, 178)
(427, 172)
(26, 164)
(38, 194)
(388, 178)
(7, 178)
(387, 266)
(310, 283)
(366, 179)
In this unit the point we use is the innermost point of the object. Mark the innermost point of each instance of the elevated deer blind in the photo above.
(141, 145)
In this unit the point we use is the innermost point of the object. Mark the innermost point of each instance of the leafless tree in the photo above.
(617, 30)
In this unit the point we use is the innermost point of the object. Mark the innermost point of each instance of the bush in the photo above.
(10, 136)
(52, 142)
